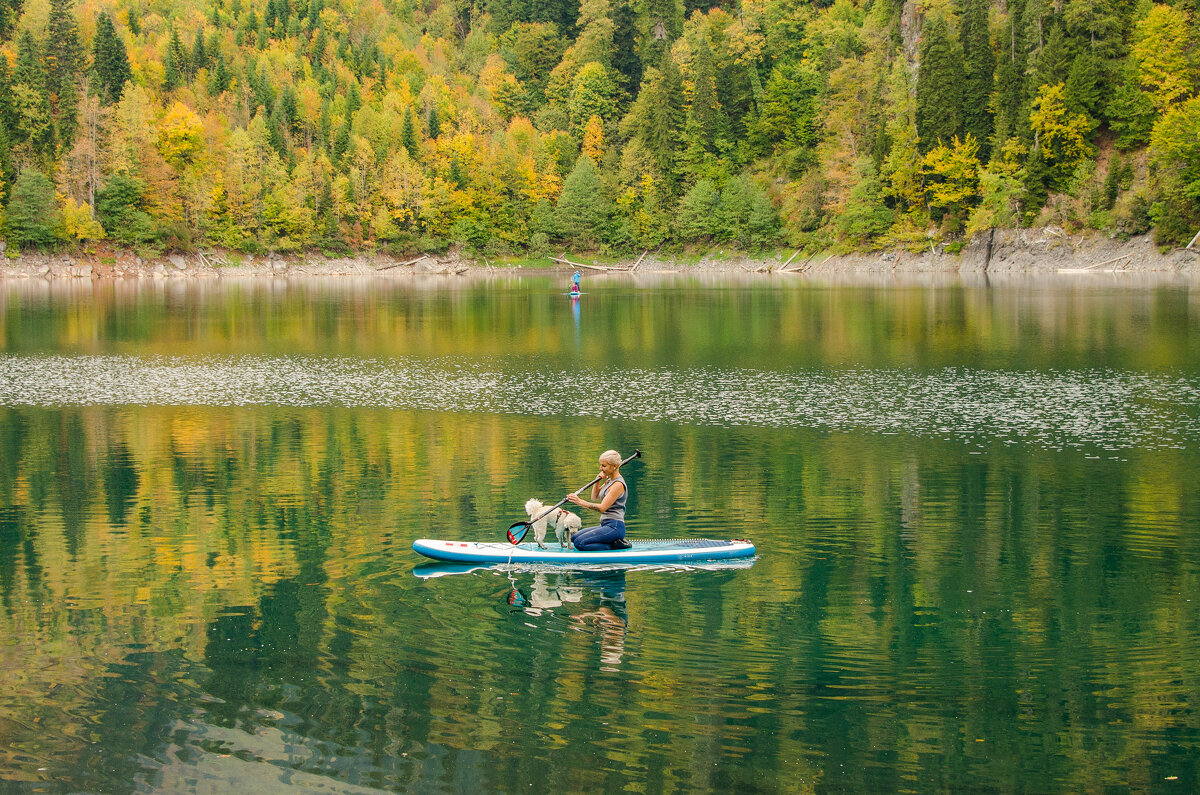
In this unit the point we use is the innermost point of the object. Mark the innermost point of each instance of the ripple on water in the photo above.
(1095, 408)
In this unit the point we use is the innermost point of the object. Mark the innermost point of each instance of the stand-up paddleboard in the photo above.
(656, 550)
(573, 295)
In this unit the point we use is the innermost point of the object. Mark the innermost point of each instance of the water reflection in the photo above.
(223, 596)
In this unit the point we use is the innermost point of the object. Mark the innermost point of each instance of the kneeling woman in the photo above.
(609, 493)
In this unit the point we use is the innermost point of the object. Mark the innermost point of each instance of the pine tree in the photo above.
(109, 60)
(435, 124)
(978, 67)
(707, 123)
(939, 85)
(64, 64)
(175, 65)
(408, 135)
(10, 12)
(33, 216)
(8, 114)
(199, 59)
(1011, 113)
(31, 101)
(582, 212)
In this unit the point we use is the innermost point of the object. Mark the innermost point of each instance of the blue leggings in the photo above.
(595, 539)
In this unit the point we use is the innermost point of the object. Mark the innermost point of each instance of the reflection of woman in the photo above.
(612, 634)
(609, 494)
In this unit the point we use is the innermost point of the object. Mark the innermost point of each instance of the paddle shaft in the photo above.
(593, 482)
(515, 538)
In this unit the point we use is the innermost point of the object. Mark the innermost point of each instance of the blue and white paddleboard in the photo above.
(658, 550)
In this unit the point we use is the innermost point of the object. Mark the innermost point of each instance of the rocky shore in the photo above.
(1024, 251)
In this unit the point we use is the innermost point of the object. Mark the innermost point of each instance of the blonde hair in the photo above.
(611, 456)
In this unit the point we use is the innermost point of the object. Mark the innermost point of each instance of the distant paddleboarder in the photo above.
(575, 282)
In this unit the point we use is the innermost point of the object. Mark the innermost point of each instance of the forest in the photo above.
(518, 127)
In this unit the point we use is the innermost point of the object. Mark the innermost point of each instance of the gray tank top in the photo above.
(617, 509)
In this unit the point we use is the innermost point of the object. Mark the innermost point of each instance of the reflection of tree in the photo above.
(909, 597)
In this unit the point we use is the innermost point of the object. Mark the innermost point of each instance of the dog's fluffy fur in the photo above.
(564, 523)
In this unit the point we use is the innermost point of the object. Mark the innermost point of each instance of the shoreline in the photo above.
(1046, 251)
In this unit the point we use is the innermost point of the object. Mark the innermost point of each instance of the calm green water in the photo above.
(975, 507)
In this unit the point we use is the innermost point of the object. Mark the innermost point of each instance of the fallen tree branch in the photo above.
(566, 261)
(1107, 261)
(783, 267)
(639, 260)
(402, 264)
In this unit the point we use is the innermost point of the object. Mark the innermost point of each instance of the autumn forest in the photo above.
(514, 127)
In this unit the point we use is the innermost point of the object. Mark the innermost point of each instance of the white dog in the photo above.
(564, 523)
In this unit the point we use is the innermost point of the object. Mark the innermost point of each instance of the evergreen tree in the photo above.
(1010, 119)
(939, 85)
(175, 65)
(199, 59)
(219, 79)
(33, 216)
(120, 209)
(978, 67)
(657, 119)
(1053, 62)
(10, 12)
(624, 57)
(408, 135)
(708, 125)
(8, 113)
(435, 124)
(31, 101)
(64, 65)
(109, 60)
(582, 213)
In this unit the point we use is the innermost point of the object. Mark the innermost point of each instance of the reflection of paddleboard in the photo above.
(650, 551)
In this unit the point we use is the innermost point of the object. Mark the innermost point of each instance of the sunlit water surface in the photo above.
(974, 506)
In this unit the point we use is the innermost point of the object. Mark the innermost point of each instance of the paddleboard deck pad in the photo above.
(657, 550)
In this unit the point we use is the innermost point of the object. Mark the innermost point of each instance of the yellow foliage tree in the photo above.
(1061, 136)
(951, 176)
(593, 138)
(180, 138)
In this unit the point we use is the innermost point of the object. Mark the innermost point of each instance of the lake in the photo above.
(974, 504)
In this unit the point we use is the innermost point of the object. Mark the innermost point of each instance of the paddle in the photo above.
(517, 530)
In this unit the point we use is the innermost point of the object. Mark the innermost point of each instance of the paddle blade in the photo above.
(517, 531)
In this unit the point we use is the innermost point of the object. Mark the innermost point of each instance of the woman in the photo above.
(609, 495)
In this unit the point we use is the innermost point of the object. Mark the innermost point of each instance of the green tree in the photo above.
(120, 209)
(408, 135)
(594, 92)
(978, 68)
(1010, 120)
(656, 121)
(10, 12)
(110, 62)
(1175, 151)
(582, 212)
(707, 124)
(697, 216)
(32, 107)
(175, 65)
(33, 217)
(64, 65)
(866, 216)
(1059, 135)
(787, 123)
(939, 85)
